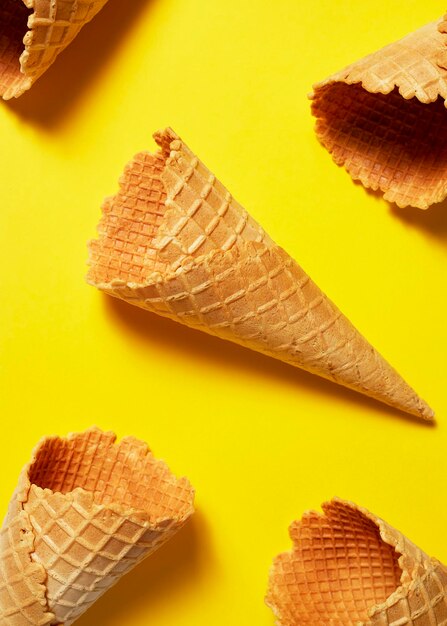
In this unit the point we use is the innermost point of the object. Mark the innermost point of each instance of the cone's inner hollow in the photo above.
(130, 222)
(384, 140)
(339, 568)
(123, 474)
(13, 27)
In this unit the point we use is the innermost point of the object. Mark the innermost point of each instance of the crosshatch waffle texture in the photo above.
(175, 242)
(383, 118)
(350, 568)
(85, 512)
(33, 33)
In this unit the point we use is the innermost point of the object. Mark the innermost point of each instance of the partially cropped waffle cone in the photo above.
(350, 568)
(384, 118)
(33, 33)
(175, 242)
(86, 510)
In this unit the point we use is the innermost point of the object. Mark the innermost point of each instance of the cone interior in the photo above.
(13, 27)
(385, 141)
(129, 224)
(125, 474)
(339, 568)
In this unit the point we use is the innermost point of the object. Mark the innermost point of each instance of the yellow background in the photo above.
(260, 441)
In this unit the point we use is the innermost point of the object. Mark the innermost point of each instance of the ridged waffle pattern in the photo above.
(202, 216)
(424, 603)
(215, 269)
(143, 231)
(94, 510)
(381, 120)
(53, 24)
(22, 590)
(350, 568)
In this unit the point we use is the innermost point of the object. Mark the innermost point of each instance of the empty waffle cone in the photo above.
(33, 33)
(383, 118)
(174, 241)
(85, 512)
(350, 568)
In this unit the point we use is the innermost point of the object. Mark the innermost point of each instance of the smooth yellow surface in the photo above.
(260, 441)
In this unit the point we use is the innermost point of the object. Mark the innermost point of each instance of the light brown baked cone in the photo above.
(384, 119)
(175, 242)
(85, 512)
(350, 568)
(33, 33)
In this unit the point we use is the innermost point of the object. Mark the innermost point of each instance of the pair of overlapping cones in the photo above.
(87, 510)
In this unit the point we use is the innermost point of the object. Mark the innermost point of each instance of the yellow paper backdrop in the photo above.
(260, 441)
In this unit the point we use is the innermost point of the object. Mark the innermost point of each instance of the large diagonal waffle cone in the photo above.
(33, 33)
(174, 241)
(84, 513)
(350, 568)
(384, 119)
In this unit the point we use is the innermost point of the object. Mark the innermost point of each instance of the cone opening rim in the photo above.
(142, 453)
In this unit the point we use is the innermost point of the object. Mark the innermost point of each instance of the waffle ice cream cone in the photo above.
(174, 241)
(383, 118)
(33, 33)
(350, 568)
(85, 512)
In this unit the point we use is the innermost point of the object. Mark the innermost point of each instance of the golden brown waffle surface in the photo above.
(174, 241)
(383, 118)
(89, 510)
(33, 33)
(349, 568)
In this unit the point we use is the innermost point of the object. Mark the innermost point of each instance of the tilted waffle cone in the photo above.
(174, 241)
(33, 33)
(85, 512)
(383, 118)
(350, 568)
